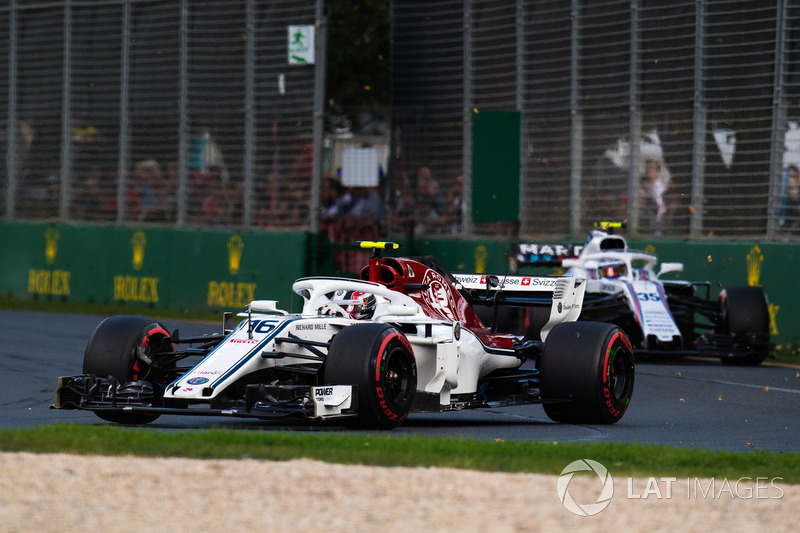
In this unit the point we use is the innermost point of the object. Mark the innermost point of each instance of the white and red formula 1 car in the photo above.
(402, 338)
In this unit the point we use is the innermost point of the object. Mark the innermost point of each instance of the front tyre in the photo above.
(379, 361)
(114, 350)
(586, 373)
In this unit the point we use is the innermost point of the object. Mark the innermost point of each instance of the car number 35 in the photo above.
(649, 296)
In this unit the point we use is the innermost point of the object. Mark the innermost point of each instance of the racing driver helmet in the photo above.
(611, 269)
(359, 305)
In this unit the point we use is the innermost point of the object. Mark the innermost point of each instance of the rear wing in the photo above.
(544, 255)
(526, 284)
(523, 291)
(561, 295)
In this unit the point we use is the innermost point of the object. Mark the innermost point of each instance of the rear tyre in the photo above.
(745, 315)
(379, 361)
(113, 350)
(586, 373)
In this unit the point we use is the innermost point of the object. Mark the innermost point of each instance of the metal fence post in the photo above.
(468, 104)
(520, 96)
(319, 113)
(66, 117)
(634, 124)
(124, 114)
(249, 115)
(183, 119)
(778, 126)
(576, 130)
(11, 129)
(698, 126)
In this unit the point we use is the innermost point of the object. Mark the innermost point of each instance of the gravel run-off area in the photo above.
(66, 493)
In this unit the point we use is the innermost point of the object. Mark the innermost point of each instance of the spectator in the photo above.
(294, 186)
(154, 191)
(91, 201)
(206, 187)
(211, 196)
(452, 218)
(610, 188)
(792, 216)
(144, 175)
(265, 194)
(40, 193)
(402, 205)
(168, 193)
(403, 216)
(363, 218)
(336, 201)
(431, 204)
(654, 188)
(230, 204)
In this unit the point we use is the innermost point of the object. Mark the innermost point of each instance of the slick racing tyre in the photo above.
(586, 373)
(378, 360)
(113, 350)
(745, 315)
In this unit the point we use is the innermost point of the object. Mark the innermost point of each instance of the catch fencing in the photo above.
(142, 111)
(708, 89)
(94, 91)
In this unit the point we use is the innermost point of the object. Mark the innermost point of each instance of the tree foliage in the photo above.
(358, 53)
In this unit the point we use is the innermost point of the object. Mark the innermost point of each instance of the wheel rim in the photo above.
(397, 377)
(619, 374)
(151, 341)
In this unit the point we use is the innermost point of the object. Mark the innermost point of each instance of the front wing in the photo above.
(92, 393)
(697, 318)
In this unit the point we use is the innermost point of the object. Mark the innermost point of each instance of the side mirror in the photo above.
(670, 267)
(265, 306)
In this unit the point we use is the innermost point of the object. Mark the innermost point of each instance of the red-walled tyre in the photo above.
(378, 359)
(587, 373)
(114, 349)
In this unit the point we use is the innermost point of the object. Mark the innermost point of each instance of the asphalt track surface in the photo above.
(688, 402)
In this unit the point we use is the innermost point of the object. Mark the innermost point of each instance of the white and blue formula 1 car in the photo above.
(402, 338)
(660, 316)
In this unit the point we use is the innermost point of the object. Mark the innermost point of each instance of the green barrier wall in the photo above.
(771, 265)
(222, 271)
(149, 267)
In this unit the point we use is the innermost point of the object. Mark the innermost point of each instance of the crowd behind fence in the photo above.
(679, 116)
(703, 92)
(136, 111)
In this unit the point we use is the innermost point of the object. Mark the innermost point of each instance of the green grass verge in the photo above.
(410, 451)
(54, 306)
